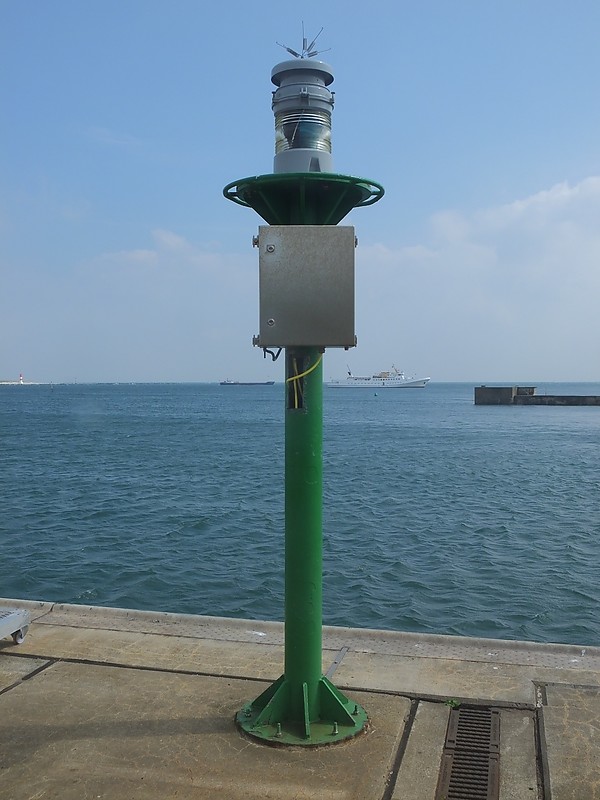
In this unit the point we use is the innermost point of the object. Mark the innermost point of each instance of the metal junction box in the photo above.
(306, 283)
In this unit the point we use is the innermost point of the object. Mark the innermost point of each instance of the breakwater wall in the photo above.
(526, 396)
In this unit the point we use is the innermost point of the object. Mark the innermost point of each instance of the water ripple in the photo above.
(438, 516)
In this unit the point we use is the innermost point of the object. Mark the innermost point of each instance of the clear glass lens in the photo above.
(303, 129)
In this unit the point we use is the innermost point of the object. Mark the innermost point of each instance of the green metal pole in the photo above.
(302, 707)
(303, 528)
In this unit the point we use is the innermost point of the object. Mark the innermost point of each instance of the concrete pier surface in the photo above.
(117, 704)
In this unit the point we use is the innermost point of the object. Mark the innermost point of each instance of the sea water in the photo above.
(439, 516)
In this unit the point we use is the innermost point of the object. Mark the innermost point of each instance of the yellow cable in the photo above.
(297, 377)
(295, 365)
(306, 372)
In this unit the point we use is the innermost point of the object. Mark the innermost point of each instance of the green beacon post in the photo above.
(306, 304)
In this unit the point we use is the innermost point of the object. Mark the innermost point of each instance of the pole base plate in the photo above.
(281, 716)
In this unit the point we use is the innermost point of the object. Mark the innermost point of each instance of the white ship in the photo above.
(394, 379)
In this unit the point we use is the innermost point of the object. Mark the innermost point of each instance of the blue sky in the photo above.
(122, 121)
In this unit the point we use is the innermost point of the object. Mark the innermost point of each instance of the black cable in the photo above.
(273, 355)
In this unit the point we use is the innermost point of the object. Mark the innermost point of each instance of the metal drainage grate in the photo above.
(470, 761)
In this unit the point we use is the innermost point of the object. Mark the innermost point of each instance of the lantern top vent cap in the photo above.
(302, 65)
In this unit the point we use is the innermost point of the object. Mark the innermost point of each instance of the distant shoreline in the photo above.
(540, 384)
